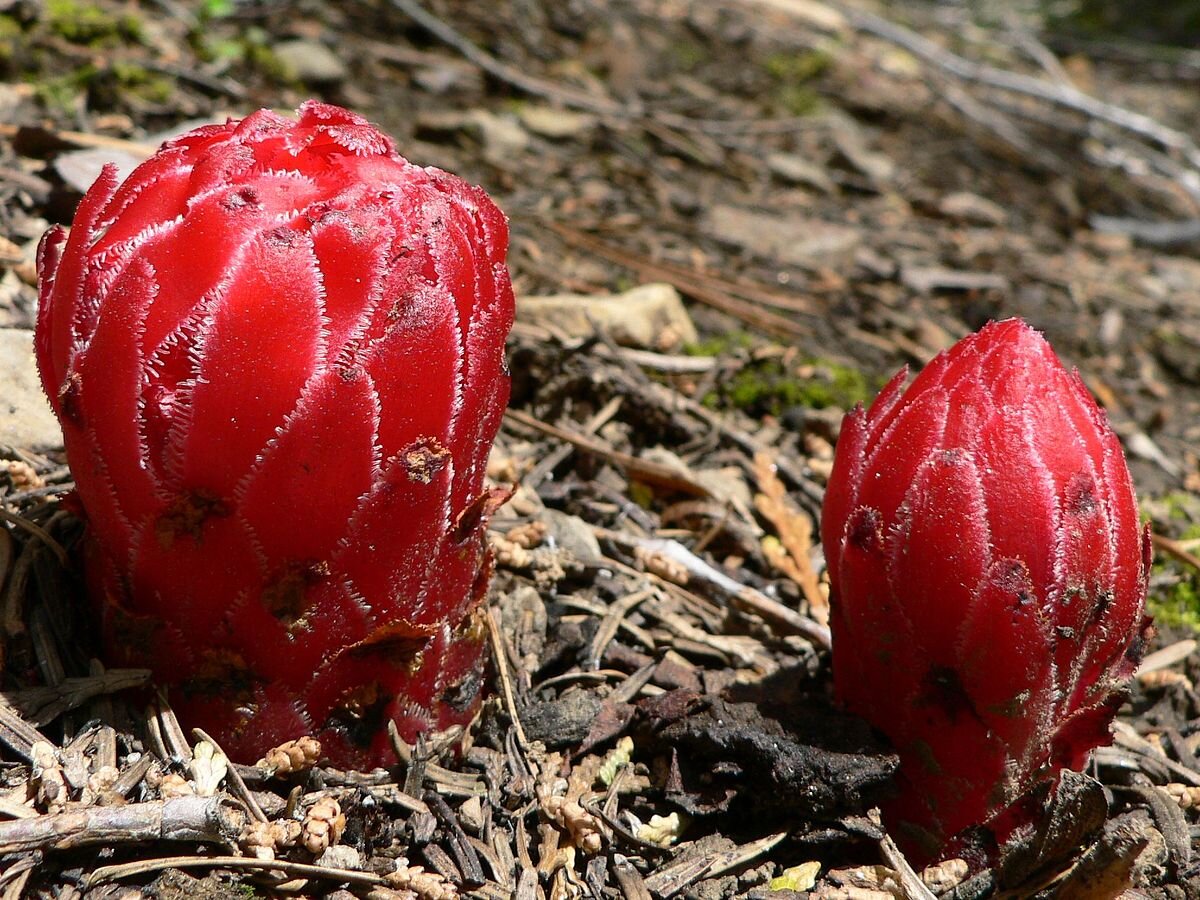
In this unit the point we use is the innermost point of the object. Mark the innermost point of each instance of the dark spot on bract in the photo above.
(866, 529)
(286, 597)
(243, 198)
(396, 644)
(68, 400)
(1079, 498)
(283, 236)
(1102, 601)
(131, 633)
(460, 695)
(472, 519)
(943, 688)
(359, 713)
(187, 515)
(423, 459)
(220, 672)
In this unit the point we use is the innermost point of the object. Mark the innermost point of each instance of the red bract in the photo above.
(989, 577)
(277, 355)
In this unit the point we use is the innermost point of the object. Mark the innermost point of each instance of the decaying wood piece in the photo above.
(204, 819)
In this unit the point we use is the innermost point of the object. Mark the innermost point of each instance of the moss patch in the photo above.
(771, 386)
(91, 25)
(1180, 608)
(793, 74)
(1174, 598)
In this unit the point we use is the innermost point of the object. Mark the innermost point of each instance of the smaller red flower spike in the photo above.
(988, 577)
(277, 353)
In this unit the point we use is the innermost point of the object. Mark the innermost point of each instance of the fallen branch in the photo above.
(214, 820)
(742, 596)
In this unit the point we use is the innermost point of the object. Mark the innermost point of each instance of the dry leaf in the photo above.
(789, 550)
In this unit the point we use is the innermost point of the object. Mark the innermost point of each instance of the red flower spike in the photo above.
(988, 578)
(277, 355)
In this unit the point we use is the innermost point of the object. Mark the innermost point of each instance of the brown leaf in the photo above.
(789, 552)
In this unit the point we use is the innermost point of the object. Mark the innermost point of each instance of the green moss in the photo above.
(837, 385)
(1176, 23)
(721, 344)
(142, 83)
(687, 55)
(797, 99)
(263, 58)
(10, 28)
(88, 23)
(792, 74)
(1173, 510)
(62, 93)
(210, 48)
(1179, 605)
(769, 387)
(216, 9)
(641, 494)
(11, 35)
(797, 68)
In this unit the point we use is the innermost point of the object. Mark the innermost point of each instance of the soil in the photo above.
(834, 197)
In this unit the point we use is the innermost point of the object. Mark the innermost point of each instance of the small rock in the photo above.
(501, 136)
(572, 534)
(927, 279)
(1178, 272)
(877, 167)
(793, 241)
(340, 856)
(727, 484)
(17, 302)
(560, 722)
(17, 102)
(26, 419)
(964, 206)
(444, 78)
(503, 139)
(795, 169)
(556, 124)
(651, 315)
(310, 62)
(80, 168)
(1112, 323)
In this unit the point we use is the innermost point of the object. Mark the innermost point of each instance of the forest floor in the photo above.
(806, 198)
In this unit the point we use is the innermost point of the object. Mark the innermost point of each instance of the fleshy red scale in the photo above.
(988, 578)
(277, 354)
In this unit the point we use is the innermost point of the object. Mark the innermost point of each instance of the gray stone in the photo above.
(340, 856)
(80, 168)
(850, 142)
(26, 419)
(502, 137)
(796, 169)
(793, 241)
(574, 535)
(651, 315)
(310, 62)
(972, 209)
(556, 124)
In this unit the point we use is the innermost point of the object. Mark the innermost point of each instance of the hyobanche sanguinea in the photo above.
(988, 577)
(277, 354)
